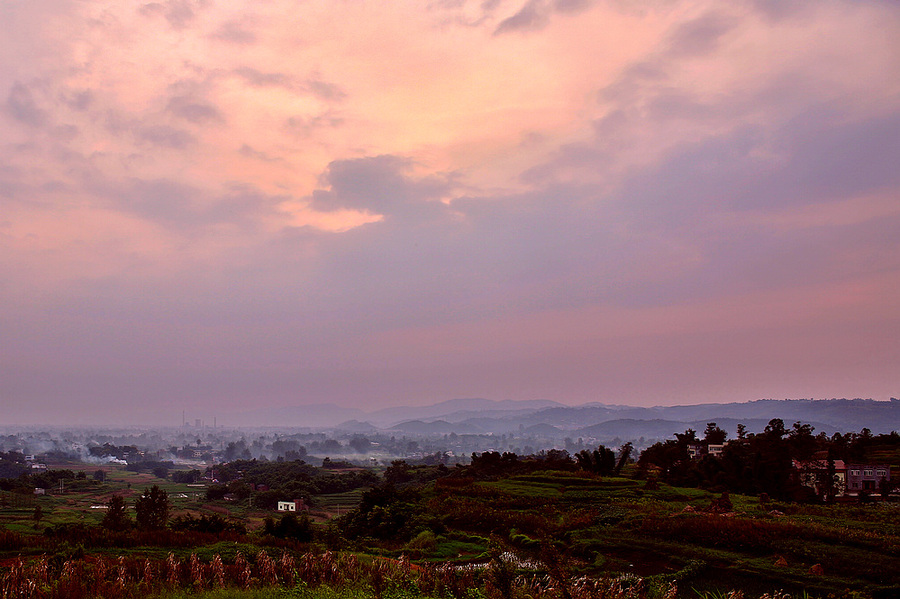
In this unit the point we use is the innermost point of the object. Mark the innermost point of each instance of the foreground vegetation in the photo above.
(504, 526)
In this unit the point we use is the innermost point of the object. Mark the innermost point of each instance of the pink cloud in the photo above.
(690, 197)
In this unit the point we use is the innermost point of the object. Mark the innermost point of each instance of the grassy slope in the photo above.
(609, 525)
(614, 525)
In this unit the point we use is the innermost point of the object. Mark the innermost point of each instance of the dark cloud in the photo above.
(178, 13)
(630, 87)
(247, 151)
(259, 78)
(163, 201)
(834, 156)
(244, 206)
(324, 90)
(79, 100)
(531, 17)
(776, 10)
(196, 111)
(164, 136)
(22, 106)
(148, 131)
(152, 9)
(11, 184)
(669, 104)
(534, 15)
(65, 133)
(571, 6)
(236, 33)
(445, 4)
(378, 185)
(185, 208)
(700, 36)
(807, 160)
(589, 161)
(305, 126)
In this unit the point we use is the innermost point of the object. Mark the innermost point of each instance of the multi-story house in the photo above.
(871, 478)
(849, 479)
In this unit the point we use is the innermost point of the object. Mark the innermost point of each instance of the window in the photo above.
(879, 473)
(854, 473)
(868, 472)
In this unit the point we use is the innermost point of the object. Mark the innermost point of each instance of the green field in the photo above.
(554, 525)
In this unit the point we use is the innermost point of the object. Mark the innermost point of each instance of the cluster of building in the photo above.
(33, 464)
(298, 505)
(846, 479)
(842, 479)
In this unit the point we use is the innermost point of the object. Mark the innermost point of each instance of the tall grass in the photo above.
(310, 576)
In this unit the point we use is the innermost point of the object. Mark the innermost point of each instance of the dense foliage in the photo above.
(553, 516)
(284, 480)
(760, 463)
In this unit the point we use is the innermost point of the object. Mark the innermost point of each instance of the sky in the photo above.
(223, 206)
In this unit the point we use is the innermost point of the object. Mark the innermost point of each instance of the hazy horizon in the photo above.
(324, 416)
(217, 208)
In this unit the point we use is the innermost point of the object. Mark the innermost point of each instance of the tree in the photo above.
(360, 444)
(237, 450)
(152, 509)
(398, 473)
(802, 443)
(664, 455)
(116, 517)
(600, 461)
(713, 435)
(687, 437)
(38, 514)
(331, 446)
(291, 527)
(884, 487)
(625, 453)
(775, 428)
(239, 489)
(831, 478)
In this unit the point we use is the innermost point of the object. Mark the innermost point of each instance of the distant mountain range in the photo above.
(548, 419)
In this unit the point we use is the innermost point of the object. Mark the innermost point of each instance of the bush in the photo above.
(290, 526)
(152, 509)
(424, 541)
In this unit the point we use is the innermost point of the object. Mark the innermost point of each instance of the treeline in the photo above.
(26, 482)
(12, 464)
(119, 452)
(270, 482)
(754, 464)
(400, 508)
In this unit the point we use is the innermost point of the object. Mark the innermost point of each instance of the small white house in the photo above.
(287, 506)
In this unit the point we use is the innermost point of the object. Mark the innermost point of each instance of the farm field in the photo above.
(566, 525)
(616, 526)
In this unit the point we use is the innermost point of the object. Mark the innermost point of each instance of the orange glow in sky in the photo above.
(376, 203)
